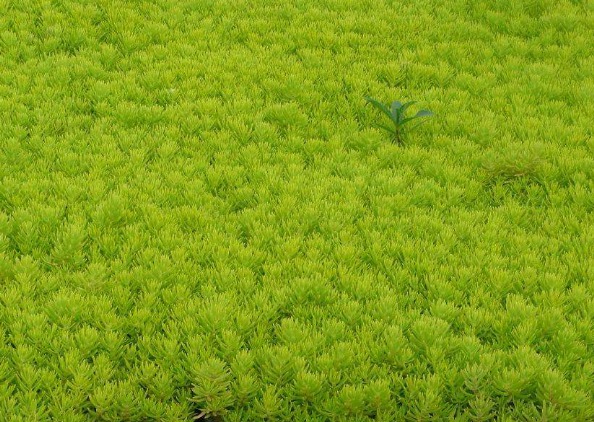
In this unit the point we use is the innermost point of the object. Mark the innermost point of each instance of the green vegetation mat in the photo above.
(199, 218)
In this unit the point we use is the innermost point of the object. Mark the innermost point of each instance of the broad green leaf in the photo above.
(405, 106)
(424, 113)
(387, 128)
(407, 120)
(380, 106)
(421, 113)
(396, 105)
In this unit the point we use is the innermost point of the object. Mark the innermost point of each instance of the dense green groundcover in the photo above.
(199, 219)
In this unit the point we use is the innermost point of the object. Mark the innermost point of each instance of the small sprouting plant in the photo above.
(397, 114)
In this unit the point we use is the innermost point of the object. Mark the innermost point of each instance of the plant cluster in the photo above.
(195, 221)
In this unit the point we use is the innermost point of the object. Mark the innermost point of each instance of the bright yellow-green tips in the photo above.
(199, 219)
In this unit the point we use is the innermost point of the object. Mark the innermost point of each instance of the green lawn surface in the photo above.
(200, 219)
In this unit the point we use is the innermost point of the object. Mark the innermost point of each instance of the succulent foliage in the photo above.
(197, 219)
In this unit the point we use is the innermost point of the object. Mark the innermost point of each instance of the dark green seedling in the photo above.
(397, 114)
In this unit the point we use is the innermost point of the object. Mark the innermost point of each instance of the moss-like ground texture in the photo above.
(200, 219)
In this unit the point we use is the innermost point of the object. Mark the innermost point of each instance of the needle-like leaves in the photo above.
(164, 259)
